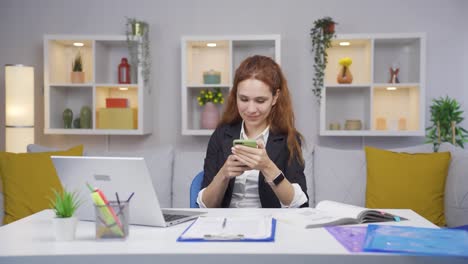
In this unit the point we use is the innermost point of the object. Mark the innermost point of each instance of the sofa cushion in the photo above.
(307, 154)
(159, 160)
(28, 180)
(403, 180)
(339, 175)
(186, 166)
(33, 148)
(2, 212)
(456, 187)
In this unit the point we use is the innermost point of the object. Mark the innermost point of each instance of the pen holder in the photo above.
(112, 220)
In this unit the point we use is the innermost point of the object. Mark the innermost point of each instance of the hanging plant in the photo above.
(138, 46)
(446, 116)
(321, 34)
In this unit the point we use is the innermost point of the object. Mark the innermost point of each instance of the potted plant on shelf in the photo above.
(64, 205)
(210, 113)
(321, 34)
(446, 117)
(138, 47)
(77, 74)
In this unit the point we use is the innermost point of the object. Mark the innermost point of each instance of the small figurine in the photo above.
(394, 70)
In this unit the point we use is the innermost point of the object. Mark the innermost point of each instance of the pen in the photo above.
(117, 196)
(131, 195)
(224, 222)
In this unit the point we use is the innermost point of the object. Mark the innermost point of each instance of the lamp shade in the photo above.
(19, 104)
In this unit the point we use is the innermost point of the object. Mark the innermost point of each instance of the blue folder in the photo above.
(416, 240)
(271, 238)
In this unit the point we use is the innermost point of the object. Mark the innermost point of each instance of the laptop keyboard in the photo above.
(171, 217)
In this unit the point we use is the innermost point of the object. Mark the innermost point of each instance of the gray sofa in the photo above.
(331, 174)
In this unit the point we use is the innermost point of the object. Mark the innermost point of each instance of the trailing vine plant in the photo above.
(137, 32)
(321, 34)
(446, 117)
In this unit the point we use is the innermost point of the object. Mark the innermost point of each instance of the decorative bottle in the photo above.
(67, 118)
(124, 71)
(85, 117)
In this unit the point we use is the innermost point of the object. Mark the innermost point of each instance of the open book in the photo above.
(329, 213)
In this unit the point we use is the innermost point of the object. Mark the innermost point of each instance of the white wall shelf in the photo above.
(101, 56)
(229, 52)
(384, 108)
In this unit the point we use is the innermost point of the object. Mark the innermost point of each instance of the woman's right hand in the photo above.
(232, 167)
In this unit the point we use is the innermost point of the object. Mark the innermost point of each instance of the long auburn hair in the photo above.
(281, 117)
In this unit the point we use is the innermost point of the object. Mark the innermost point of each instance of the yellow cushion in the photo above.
(28, 180)
(412, 181)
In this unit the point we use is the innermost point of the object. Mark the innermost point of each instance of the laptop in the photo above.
(119, 175)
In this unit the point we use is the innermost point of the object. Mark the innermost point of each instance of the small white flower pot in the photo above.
(65, 228)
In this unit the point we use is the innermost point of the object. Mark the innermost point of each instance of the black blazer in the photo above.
(219, 148)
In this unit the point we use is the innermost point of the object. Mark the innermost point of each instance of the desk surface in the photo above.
(31, 240)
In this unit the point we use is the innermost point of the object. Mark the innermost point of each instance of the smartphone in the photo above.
(246, 142)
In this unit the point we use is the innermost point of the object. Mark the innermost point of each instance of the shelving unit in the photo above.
(383, 108)
(225, 57)
(101, 56)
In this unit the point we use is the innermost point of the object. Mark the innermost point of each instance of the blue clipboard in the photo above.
(271, 238)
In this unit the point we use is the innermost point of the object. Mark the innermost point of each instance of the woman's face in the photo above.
(254, 101)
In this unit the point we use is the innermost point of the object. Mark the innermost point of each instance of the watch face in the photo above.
(278, 179)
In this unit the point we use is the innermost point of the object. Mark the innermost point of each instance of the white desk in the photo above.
(31, 240)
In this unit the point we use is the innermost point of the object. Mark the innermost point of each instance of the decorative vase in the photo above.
(65, 228)
(329, 29)
(77, 77)
(67, 118)
(76, 123)
(344, 76)
(210, 116)
(85, 117)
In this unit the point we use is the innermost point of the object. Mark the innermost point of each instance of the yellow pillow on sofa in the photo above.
(403, 180)
(28, 180)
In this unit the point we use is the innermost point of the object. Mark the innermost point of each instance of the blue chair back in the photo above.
(195, 188)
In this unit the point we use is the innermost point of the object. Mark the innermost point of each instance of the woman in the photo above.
(271, 175)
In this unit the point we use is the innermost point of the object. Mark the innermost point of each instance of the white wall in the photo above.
(24, 22)
(464, 88)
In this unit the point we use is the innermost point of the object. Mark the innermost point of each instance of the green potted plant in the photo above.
(446, 117)
(139, 49)
(64, 205)
(321, 34)
(77, 74)
(210, 113)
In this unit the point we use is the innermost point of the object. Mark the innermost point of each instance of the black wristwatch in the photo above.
(277, 180)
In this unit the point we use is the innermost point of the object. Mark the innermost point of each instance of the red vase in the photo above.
(124, 71)
(210, 116)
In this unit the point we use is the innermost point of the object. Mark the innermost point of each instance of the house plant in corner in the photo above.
(210, 113)
(64, 205)
(446, 117)
(321, 34)
(77, 74)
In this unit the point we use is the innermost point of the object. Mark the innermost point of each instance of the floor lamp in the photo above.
(19, 104)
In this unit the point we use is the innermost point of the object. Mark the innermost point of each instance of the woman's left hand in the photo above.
(254, 158)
